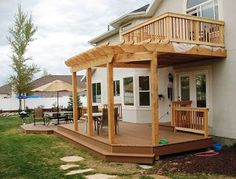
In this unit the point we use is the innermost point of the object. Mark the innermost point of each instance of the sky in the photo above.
(64, 29)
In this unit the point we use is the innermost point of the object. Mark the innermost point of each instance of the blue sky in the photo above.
(64, 28)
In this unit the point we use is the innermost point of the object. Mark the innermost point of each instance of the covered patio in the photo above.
(149, 54)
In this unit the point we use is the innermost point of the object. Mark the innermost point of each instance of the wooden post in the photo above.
(75, 102)
(89, 102)
(169, 28)
(174, 117)
(154, 99)
(222, 35)
(206, 123)
(110, 102)
(197, 31)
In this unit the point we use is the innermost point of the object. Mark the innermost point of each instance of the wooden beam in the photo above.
(133, 57)
(154, 100)
(131, 65)
(128, 65)
(92, 63)
(133, 48)
(75, 100)
(89, 102)
(110, 102)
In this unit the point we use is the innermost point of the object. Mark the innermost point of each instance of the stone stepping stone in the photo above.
(68, 166)
(72, 159)
(100, 176)
(146, 167)
(74, 172)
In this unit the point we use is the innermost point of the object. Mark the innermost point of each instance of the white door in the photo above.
(194, 87)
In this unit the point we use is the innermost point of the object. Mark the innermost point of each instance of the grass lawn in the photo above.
(38, 156)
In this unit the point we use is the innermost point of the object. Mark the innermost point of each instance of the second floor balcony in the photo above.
(178, 28)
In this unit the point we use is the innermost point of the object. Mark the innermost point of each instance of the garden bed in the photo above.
(223, 164)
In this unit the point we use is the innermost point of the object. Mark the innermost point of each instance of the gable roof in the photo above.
(6, 89)
(141, 9)
(142, 12)
(50, 78)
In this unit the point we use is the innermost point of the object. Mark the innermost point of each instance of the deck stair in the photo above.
(105, 151)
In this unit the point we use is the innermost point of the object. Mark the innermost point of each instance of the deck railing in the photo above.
(178, 28)
(176, 104)
(191, 119)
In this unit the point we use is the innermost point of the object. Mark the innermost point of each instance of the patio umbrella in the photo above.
(55, 86)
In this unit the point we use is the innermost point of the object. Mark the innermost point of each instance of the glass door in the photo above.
(193, 86)
(184, 88)
(201, 90)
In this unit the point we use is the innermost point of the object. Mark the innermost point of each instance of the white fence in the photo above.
(13, 103)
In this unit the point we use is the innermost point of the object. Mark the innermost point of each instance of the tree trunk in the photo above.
(20, 102)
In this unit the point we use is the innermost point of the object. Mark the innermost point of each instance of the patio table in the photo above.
(57, 115)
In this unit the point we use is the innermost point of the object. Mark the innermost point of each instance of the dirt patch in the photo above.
(224, 164)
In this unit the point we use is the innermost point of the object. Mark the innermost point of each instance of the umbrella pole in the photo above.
(57, 107)
(58, 101)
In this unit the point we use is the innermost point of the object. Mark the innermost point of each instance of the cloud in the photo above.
(64, 28)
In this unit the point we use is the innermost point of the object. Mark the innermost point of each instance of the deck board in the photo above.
(138, 134)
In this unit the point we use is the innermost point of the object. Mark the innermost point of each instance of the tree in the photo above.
(21, 34)
(70, 102)
(45, 72)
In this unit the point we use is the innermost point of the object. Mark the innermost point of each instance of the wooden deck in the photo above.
(38, 129)
(133, 143)
(138, 134)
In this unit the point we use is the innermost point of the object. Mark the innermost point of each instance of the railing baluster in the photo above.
(179, 28)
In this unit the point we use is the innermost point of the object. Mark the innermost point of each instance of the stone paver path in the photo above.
(100, 176)
(146, 167)
(68, 166)
(73, 172)
(72, 159)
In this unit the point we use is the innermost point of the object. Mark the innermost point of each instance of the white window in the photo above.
(116, 87)
(203, 8)
(97, 92)
(128, 91)
(144, 91)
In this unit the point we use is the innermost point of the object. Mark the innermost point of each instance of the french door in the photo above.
(194, 87)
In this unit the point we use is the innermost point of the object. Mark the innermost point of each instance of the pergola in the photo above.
(149, 54)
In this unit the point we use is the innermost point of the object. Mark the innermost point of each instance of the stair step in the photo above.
(106, 154)
(85, 138)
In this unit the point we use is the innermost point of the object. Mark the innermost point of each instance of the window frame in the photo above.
(96, 91)
(133, 92)
(199, 8)
(140, 91)
(115, 89)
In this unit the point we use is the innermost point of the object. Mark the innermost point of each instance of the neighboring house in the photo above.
(50, 78)
(166, 65)
(6, 92)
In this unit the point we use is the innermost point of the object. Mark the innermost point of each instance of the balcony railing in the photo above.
(178, 28)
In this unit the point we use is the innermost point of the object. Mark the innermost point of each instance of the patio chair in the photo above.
(94, 109)
(104, 119)
(38, 115)
(69, 117)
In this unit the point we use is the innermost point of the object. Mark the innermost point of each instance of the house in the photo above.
(168, 62)
(10, 102)
(6, 92)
